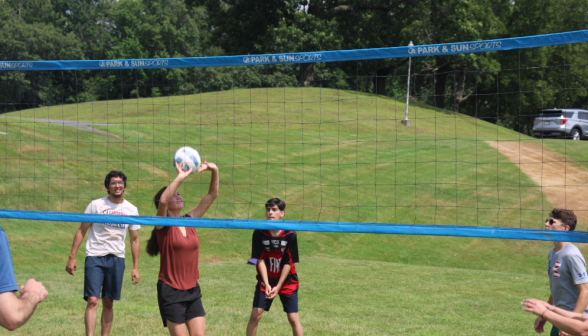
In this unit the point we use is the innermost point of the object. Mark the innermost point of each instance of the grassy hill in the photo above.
(332, 155)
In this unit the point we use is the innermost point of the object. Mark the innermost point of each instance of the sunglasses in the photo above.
(550, 221)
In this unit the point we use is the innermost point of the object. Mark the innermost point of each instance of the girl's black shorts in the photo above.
(177, 305)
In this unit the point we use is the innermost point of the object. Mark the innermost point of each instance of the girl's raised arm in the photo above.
(209, 198)
(170, 191)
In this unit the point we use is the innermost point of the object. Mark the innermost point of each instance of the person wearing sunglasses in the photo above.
(566, 267)
(105, 253)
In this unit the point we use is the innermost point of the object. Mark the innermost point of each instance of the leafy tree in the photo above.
(456, 21)
(89, 21)
(149, 29)
(32, 11)
(307, 33)
(5, 11)
(35, 42)
(367, 24)
(506, 87)
(544, 77)
(242, 27)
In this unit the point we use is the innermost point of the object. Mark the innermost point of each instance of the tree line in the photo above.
(507, 87)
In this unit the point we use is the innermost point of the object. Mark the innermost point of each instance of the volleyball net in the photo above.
(329, 132)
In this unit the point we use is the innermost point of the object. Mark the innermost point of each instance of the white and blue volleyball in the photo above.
(186, 158)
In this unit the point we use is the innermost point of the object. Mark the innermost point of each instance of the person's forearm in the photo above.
(77, 241)
(572, 326)
(283, 276)
(28, 303)
(567, 314)
(19, 309)
(135, 250)
(581, 303)
(170, 191)
(214, 181)
(263, 272)
(209, 198)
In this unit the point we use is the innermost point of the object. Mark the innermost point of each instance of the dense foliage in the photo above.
(506, 88)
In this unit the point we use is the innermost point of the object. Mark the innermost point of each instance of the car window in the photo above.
(583, 115)
(554, 114)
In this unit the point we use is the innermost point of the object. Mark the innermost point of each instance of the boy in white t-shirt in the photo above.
(105, 252)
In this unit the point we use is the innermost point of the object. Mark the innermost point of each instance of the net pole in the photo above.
(406, 121)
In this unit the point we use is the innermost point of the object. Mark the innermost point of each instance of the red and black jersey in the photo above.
(276, 252)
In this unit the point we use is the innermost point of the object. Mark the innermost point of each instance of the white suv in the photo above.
(561, 123)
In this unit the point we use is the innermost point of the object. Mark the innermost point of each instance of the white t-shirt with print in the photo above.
(105, 238)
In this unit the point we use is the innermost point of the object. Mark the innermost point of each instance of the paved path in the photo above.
(81, 125)
(564, 184)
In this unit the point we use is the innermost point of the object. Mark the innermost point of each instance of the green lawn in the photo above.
(333, 156)
(375, 290)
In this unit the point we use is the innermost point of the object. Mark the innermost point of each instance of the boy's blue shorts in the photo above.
(104, 274)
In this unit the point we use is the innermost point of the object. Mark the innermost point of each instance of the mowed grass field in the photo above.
(333, 156)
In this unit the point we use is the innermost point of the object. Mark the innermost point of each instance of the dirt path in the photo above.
(564, 184)
(81, 125)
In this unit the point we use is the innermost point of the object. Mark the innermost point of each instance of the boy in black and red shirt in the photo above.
(276, 252)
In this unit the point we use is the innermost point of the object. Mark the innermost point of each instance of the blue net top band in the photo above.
(308, 57)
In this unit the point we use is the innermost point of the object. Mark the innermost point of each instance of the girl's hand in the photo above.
(206, 166)
(182, 174)
(536, 307)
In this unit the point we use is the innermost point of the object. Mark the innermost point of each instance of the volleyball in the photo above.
(186, 158)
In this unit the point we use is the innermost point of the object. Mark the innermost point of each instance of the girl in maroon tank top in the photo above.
(178, 291)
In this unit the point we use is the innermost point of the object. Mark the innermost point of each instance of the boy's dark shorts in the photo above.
(554, 331)
(177, 305)
(290, 302)
(103, 274)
